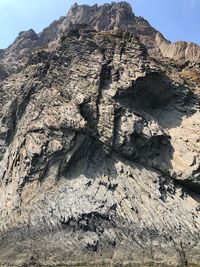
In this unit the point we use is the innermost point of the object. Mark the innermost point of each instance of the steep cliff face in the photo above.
(178, 50)
(99, 147)
(18, 52)
(102, 18)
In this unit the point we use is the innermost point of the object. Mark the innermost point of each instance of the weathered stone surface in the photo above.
(178, 50)
(99, 154)
(18, 52)
(107, 17)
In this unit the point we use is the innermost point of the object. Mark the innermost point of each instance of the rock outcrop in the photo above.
(99, 146)
(178, 50)
(18, 52)
(102, 18)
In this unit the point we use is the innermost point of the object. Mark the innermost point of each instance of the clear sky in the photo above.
(176, 19)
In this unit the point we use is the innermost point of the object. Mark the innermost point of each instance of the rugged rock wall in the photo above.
(102, 18)
(178, 50)
(99, 149)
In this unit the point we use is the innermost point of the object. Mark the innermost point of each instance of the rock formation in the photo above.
(99, 144)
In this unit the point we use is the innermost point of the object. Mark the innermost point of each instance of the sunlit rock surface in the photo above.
(99, 145)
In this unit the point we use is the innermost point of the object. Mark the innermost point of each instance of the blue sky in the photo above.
(176, 19)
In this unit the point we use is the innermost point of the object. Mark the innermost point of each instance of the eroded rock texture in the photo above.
(99, 146)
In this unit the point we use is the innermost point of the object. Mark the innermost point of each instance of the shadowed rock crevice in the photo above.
(156, 98)
(156, 92)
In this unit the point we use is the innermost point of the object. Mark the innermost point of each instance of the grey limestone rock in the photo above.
(99, 147)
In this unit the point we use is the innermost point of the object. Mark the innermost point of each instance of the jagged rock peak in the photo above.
(18, 52)
(103, 17)
(122, 4)
(179, 50)
(30, 34)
